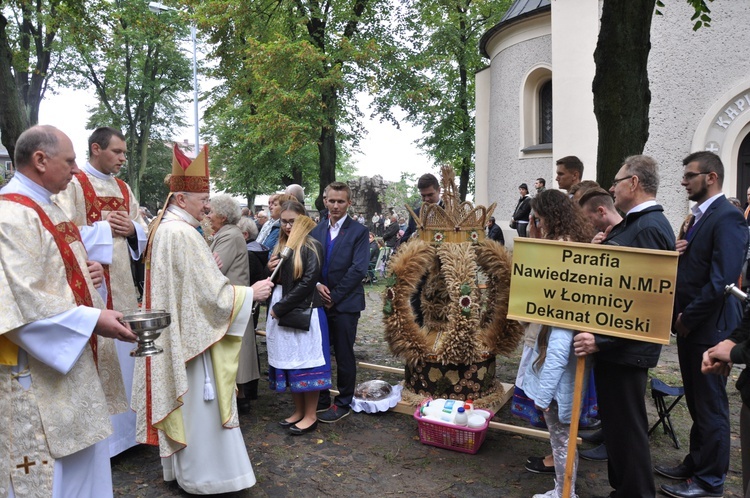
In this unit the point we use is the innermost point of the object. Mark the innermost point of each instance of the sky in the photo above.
(385, 151)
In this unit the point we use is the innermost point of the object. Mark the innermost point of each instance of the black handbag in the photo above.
(297, 318)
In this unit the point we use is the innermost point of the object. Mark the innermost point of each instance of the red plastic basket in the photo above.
(450, 436)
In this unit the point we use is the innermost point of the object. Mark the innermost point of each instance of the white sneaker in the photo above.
(549, 494)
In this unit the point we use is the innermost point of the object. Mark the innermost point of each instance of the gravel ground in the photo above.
(381, 455)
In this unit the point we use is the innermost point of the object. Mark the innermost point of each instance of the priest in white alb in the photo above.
(54, 408)
(108, 216)
(185, 397)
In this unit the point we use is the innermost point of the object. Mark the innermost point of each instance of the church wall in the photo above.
(689, 72)
(506, 171)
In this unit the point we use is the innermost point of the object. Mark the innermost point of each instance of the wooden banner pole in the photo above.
(574, 419)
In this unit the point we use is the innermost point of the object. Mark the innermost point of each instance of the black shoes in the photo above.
(243, 406)
(285, 424)
(333, 414)
(689, 489)
(680, 472)
(296, 431)
(536, 465)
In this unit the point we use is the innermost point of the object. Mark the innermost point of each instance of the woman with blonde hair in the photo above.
(298, 353)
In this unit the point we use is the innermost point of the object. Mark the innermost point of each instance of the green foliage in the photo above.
(153, 189)
(133, 59)
(701, 16)
(291, 70)
(30, 53)
(401, 193)
(431, 76)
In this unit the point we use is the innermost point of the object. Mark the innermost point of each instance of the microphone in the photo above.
(736, 292)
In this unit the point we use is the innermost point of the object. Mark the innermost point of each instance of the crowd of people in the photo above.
(70, 236)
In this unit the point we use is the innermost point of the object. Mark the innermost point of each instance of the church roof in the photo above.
(520, 9)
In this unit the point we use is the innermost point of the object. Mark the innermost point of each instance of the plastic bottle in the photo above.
(477, 422)
(431, 410)
(461, 418)
(469, 407)
(484, 413)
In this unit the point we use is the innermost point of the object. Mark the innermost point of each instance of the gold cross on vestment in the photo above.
(26, 464)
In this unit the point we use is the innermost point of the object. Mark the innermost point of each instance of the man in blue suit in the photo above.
(346, 253)
(712, 253)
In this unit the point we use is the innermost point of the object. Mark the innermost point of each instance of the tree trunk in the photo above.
(250, 199)
(621, 89)
(327, 145)
(13, 119)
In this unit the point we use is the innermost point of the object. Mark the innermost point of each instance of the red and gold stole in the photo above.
(63, 234)
(94, 207)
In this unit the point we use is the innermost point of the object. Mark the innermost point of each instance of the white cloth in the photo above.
(215, 459)
(78, 470)
(381, 405)
(123, 424)
(289, 348)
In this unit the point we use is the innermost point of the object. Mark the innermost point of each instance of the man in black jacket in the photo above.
(621, 370)
(494, 231)
(523, 209)
(390, 236)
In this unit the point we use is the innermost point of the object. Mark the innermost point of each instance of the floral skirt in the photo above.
(305, 379)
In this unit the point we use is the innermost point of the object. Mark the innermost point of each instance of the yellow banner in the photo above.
(608, 290)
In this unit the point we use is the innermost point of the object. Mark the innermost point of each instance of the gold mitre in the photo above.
(454, 221)
(189, 175)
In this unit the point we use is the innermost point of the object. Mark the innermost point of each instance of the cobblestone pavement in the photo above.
(381, 455)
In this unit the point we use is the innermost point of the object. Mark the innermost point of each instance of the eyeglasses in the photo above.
(287, 223)
(689, 176)
(618, 180)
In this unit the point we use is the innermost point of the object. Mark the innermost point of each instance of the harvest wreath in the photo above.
(460, 284)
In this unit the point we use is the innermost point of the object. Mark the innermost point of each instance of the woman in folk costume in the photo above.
(298, 349)
(185, 397)
(229, 243)
(550, 377)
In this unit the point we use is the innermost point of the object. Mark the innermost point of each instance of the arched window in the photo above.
(545, 113)
(536, 112)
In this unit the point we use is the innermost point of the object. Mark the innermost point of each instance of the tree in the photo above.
(132, 58)
(401, 193)
(153, 189)
(29, 53)
(621, 87)
(432, 76)
(294, 67)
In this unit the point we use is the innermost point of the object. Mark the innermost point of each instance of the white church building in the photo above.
(535, 103)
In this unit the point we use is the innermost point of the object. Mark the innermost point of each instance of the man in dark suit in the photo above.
(390, 236)
(712, 254)
(345, 261)
(429, 190)
(621, 366)
(494, 231)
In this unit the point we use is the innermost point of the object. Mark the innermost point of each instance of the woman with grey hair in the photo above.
(230, 245)
(248, 228)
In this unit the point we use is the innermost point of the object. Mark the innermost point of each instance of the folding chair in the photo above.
(659, 390)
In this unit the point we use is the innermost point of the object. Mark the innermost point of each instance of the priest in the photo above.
(54, 410)
(107, 214)
(185, 397)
